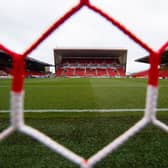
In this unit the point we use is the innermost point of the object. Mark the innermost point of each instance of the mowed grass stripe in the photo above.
(84, 93)
(69, 93)
(125, 93)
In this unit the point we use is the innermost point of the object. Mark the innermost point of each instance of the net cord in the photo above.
(17, 93)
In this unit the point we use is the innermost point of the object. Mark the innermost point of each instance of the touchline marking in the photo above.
(4, 86)
(85, 110)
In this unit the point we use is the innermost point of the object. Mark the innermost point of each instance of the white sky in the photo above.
(22, 21)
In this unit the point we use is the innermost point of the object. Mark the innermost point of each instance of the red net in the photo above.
(18, 84)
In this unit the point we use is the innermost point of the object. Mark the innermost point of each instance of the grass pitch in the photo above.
(84, 133)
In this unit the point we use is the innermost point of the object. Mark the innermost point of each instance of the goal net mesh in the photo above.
(17, 93)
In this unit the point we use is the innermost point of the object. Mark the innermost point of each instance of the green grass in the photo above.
(84, 93)
(80, 93)
(84, 133)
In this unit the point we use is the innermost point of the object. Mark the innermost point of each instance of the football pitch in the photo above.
(84, 115)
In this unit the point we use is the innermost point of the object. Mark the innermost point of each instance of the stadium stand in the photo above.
(141, 74)
(34, 68)
(163, 69)
(90, 62)
(163, 73)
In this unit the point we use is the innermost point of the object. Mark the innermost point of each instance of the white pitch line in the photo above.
(85, 110)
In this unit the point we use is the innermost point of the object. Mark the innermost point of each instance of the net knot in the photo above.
(84, 2)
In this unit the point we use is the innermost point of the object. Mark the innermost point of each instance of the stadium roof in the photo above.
(164, 58)
(31, 63)
(94, 53)
(28, 59)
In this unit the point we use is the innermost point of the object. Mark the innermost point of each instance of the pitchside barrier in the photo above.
(17, 93)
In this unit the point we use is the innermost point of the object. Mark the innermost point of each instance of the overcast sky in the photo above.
(22, 21)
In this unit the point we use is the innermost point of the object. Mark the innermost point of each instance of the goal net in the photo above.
(17, 93)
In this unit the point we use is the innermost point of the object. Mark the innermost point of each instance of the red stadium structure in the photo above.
(33, 68)
(90, 62)
(163, 69)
